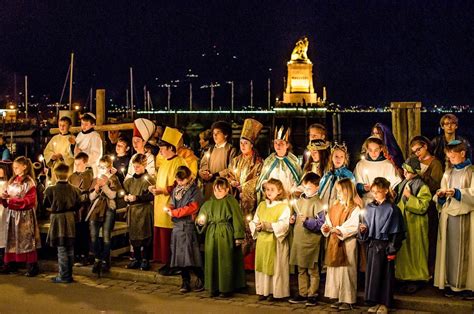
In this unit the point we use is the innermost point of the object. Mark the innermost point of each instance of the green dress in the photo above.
(223, 267)
(412, 259)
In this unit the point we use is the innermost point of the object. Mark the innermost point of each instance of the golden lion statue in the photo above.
(300, 52)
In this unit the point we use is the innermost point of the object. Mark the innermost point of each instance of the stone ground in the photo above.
(105, 295)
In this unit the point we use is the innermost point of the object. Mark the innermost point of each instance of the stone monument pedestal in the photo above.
(299, 87)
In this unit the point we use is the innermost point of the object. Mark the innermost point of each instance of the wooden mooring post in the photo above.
(406, 123)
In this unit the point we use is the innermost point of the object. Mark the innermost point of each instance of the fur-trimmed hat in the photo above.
(143, 128)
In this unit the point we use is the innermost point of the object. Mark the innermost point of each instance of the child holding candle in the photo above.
(308, 219)
(102, 213)
(374, 164)
(88, 141)
(185, 201)
(383, 231)
(82, 178)
(5, 174)
(270, 227)
(413, 199)
(139, 213)
(220, 219)
(340, 227)
(122, 159)
(23, 237)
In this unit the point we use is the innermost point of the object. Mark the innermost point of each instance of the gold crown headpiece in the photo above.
(336, 145)
(281, 135)
(318, 145)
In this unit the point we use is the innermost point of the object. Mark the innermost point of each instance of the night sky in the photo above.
(365, 52)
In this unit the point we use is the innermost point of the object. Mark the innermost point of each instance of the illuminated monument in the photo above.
(299, 89)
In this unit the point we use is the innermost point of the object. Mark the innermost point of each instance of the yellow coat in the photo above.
(165, 177)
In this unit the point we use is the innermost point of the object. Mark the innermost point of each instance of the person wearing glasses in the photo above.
(449, 125)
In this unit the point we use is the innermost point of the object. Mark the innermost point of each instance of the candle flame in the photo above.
(122, 169)
(41, 158)
(362, 157)
(249, 217)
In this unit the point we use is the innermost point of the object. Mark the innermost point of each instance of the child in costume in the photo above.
(63, 199)
(88, 141)
(454, 269)
(270, 227)
(143, 129)
(218, 157)
(318, 157)
(58, 149)
(341, 226)
(102, 213)
(413, 199)
(165, 181)
(82, 178)
(335, 171)
(220, 219)
(5, 174)
(281, 164)
(307, 220)
(185, 201)
(383, 230)
(139, 213)
(23, 237)
(374, 164)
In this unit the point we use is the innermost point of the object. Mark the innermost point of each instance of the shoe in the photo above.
(336, 305)
(145, 265)
(311, 301)
(105, 267)
(32, 271)
(374, 308)
(262, 297)
(382, 310)
(96, 268)
(270, 298)
(133, 264)
(467, 295)
(58, 279)
(199, 286)
(164, 270)
(345, 307)
(185, 288)
(449, 293)
(174, 272)
(225, 295)
(298, 299)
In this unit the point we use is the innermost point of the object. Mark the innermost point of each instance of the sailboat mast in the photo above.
(70, 81)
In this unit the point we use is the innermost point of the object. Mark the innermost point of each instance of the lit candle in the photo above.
(249, 218)
(166, 209)
(54, 146)
(362, 157)
(366, 177)
(41, 159)
(201, 219)
(122, 193)
(112, 157)
(122, 170)
(207, 155)
(325, 209)
(361, 216)
(446, 178)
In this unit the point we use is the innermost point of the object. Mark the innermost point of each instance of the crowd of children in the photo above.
(239, 212)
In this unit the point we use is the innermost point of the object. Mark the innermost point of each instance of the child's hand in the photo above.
(113, 170)
(72, 139)
(363, 228)
(239, 242)
(366, 187)
(336, 231)
(450, 192)
(441, 193)
(406, 191)
(302, 217)
(258, 226)
(201, 220)
(132, 198)
(325, 228)
(292, 219)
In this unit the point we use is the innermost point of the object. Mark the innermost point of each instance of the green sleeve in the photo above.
(237, 219)
(419, 204)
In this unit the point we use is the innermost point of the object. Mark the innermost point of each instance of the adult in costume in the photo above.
(243, 174)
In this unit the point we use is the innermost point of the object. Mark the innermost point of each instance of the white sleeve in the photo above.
(327, 221)
(350, 226)
(281, 227)
(95, 149)
(252, 225)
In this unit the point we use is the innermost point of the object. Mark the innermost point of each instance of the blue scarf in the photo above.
(465, 163)
(332, 177)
